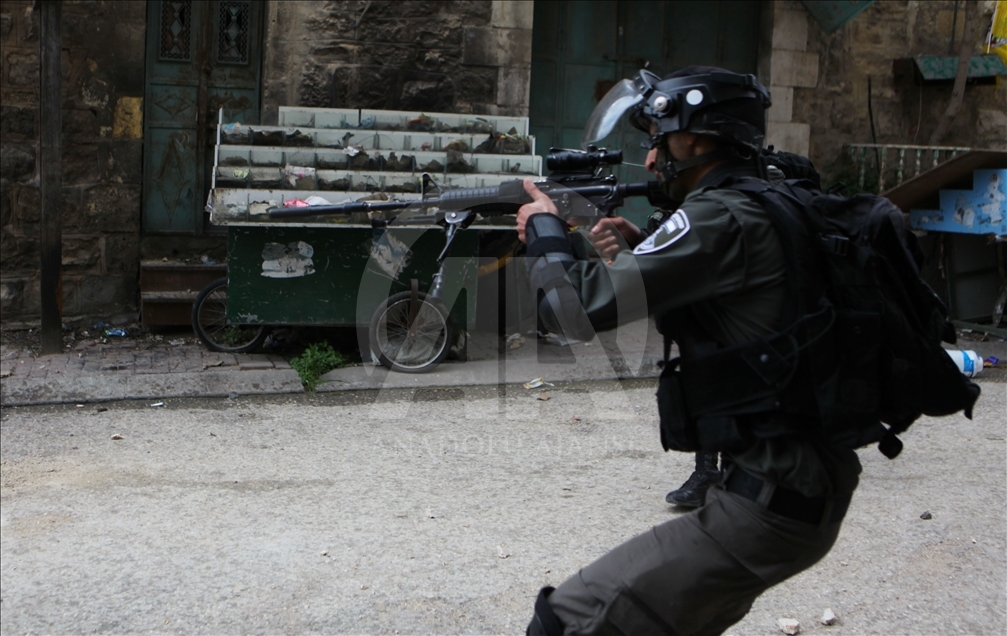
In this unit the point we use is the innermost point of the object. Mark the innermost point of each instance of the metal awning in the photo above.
(936, 69)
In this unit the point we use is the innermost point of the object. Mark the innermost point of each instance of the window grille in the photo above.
(232, 34)
(176, 30)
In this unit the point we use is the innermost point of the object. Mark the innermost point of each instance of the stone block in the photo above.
(17, 121)
(82, 22)
(368, 87)
(431, 96)
(78, 67)
(335, 51)
(80, 164)
(81, 252)
(794, 68)
(400, 56)
(29, 25)
(428, 34)
(387, 9)
(124, 163)
(314, 89)
(475, 12)
(789, 5)
(131, 13)
(515, 47)
(790, 30)
(27, 205)
(479, 47)
(107, 294)
(17, 162)
(111, 208)
(122, 254)
(6, 203)
(331, 18)
(127, 123)
(991, 129)
(71, 208)
(513, 14)
(18, 252)
(500, 111)
(886, 36)
(513, 86)
(791, 137)
(782, 109)
(22, 69)
(80, 123)
(496, 47)
(342, 82)
(71, 295)
(476, 85)
(95, 93)
(12, 296)
(390, 29)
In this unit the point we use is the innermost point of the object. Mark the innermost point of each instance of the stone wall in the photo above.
(103, 75)
(447, 56)
(785, 65)
(819, 82)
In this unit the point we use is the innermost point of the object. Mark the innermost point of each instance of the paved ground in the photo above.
(441, 511)
(435, 503)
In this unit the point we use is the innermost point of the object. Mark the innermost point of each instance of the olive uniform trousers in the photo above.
(696, 574)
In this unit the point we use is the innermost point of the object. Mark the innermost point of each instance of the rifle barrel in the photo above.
(503, 199)
(342, 208)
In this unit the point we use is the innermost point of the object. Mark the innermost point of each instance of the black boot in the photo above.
(692, 494)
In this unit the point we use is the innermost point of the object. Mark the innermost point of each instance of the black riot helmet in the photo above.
(705, 100)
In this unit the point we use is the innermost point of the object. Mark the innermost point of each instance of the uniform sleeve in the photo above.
(697, 254)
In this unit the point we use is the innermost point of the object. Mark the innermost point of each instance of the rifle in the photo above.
(581, 194)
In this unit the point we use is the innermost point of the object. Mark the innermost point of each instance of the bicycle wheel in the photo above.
(209, 321)
(406, 348)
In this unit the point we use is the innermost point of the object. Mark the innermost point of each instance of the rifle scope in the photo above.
(565, 160)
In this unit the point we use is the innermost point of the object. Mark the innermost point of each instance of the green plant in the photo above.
(317, 360)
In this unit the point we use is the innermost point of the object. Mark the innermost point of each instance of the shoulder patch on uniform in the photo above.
(674, 228)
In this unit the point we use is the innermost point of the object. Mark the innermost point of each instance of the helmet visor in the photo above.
(619, 99)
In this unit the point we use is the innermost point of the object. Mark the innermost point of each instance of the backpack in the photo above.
(866, 328)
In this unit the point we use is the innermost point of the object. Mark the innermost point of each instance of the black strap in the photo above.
(544, 622)
(549, 245)
(788, 503)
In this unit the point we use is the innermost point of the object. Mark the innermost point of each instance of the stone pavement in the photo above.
(159, 369)
(96, 372)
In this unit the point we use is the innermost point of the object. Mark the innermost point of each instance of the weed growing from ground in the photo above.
(317, 360)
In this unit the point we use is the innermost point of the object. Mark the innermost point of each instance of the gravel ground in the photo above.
(442, 511)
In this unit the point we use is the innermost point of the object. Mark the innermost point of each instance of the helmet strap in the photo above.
(719, 154)
(669, 170)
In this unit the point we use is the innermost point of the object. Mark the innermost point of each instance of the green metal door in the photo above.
(200, 56)
(580, 48)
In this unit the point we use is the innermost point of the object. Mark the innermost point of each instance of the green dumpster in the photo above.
(338, 275)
